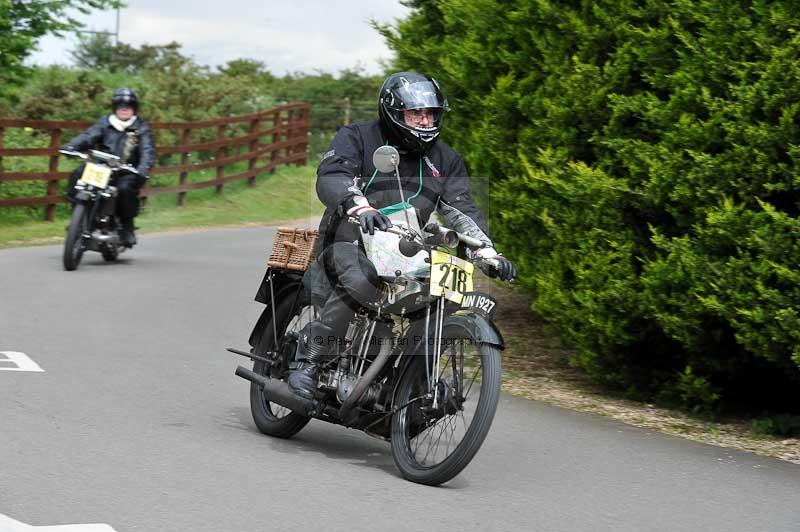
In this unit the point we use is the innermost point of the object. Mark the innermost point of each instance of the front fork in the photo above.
(433, 360)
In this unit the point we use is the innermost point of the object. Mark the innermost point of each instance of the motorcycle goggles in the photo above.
(406, 96)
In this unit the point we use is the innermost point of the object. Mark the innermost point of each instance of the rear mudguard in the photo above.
(284, 285)
(280, 279)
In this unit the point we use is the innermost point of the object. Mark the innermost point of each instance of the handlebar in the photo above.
(70, 153)
(111, 160)
(447, 236)
(412, 243)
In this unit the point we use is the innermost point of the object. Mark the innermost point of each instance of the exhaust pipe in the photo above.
(366, 379)
(278, 391)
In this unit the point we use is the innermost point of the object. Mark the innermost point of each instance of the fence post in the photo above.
(277, 127)
(52, 184)
(289, 123)
(251, 163)
(220, 154)
(303, 140)
(187, 133)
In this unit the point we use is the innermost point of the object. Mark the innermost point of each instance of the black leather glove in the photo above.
(371, 219)
(504, 270)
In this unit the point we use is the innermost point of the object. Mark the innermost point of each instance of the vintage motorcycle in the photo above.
(421, 368)
(93, 225)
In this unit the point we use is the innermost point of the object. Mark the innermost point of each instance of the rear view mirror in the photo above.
(386, 159)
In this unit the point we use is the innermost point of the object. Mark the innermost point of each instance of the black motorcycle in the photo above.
(420, 369)
(94, 225)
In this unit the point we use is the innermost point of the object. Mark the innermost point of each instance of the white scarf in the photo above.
(120, 125)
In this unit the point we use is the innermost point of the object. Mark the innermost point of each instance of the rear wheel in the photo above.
(434, 440)
(74, 245)
(273, 419)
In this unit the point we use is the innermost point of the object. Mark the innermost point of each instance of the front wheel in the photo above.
(434, 439)
(73, 243)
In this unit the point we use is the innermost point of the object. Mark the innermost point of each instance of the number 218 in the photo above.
(457, 278)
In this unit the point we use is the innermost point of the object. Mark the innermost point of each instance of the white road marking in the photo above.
(10, 525)
(16, 361)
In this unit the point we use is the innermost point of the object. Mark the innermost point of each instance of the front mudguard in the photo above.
(475, 326)
(284, 285)
(479, 328)
(471, 324)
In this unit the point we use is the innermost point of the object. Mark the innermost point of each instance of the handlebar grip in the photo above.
(488, 266)
(494, 263)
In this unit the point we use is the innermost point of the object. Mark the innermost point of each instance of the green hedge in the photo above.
(644, 161)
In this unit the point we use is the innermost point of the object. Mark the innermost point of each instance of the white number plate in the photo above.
(96, 175)
(451, 277)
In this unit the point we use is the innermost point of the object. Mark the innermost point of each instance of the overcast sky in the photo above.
(288, 35)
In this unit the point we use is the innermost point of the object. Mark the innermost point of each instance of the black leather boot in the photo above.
(312, 346)
(126, 235)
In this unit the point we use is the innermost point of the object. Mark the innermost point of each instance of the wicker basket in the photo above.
(293, 249)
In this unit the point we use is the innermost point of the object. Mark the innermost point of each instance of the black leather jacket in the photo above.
(445, 183)
(104, 137)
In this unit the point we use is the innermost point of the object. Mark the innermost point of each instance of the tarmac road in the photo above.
(137, 421)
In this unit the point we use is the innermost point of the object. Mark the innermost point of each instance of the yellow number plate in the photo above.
(96, 175)
(451, 277)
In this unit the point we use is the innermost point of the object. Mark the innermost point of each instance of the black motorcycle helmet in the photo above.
(124, 96)
(408, 90)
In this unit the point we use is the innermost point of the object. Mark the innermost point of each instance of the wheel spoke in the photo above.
(471, 382)
(438, 433)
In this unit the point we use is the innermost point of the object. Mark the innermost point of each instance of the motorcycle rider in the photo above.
(411, 110)
(126, 135)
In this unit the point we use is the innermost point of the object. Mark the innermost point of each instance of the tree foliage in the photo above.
(24, 22)
(96, 52)
(644, 161)
(174, 88)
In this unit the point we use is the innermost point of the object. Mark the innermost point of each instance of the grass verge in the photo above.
(288, 194)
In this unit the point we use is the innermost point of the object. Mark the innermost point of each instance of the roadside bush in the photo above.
(784, 425)
(644, 175)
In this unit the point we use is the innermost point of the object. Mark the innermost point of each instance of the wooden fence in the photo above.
(271, 138)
